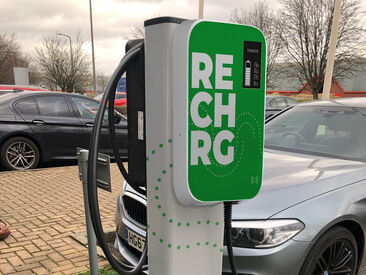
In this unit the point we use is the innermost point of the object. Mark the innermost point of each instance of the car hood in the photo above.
(290, 178)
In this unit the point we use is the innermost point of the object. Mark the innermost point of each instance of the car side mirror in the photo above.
(116, 118)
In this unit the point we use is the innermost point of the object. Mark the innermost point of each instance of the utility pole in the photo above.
(71, 56)
(92, 44)
(200, 9)
(332, 50)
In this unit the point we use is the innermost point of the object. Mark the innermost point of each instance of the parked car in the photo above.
(6, 89)
(47, 126)
(120, 100)
(310, 214)
(277, 103)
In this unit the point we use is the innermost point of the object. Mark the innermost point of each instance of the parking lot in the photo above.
(44, 209)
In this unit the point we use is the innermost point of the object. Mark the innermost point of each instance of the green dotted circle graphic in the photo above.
(244, 120)
(164, 214)
(187, 246)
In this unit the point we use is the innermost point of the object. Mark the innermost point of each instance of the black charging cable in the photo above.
(121, 268)
(112, 132)
(229, 245)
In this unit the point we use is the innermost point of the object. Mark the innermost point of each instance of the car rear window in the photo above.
(53, 106)
(27, 107)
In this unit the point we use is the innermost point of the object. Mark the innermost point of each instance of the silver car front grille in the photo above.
(135, 210)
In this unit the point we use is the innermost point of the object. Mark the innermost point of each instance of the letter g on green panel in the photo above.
(218, 112)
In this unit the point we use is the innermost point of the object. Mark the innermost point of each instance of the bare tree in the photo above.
(306, 28)
(35, 76)
(102, 80)
(59, 66)
(136, 32)
(10, 56)
(261, 17)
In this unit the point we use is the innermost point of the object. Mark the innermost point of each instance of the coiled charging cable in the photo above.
(109, 96)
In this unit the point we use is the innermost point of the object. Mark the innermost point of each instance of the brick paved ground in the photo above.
(43, 208)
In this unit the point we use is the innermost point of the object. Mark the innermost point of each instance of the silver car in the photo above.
(310, 215)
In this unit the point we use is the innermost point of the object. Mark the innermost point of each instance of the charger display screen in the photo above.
(252, 64)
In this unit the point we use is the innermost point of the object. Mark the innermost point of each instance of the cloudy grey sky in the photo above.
(31, 20)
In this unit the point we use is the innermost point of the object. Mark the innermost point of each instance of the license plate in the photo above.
(135, 240)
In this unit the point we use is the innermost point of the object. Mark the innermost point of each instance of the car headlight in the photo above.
(264, 234)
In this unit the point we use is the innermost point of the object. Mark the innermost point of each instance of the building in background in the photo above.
(353, 85)
(21, 76)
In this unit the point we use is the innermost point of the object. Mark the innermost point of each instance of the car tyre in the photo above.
(335, 251)
(19, 153)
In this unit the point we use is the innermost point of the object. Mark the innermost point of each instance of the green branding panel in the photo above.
(226, 94)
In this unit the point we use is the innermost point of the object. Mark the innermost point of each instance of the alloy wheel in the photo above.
(338, 258)
(20, 155)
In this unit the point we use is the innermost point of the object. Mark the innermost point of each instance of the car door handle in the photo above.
(89, 124)
(38, 122)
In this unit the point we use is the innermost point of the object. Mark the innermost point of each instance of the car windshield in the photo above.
(326, 131)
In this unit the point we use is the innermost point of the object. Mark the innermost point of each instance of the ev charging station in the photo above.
(198, 122)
